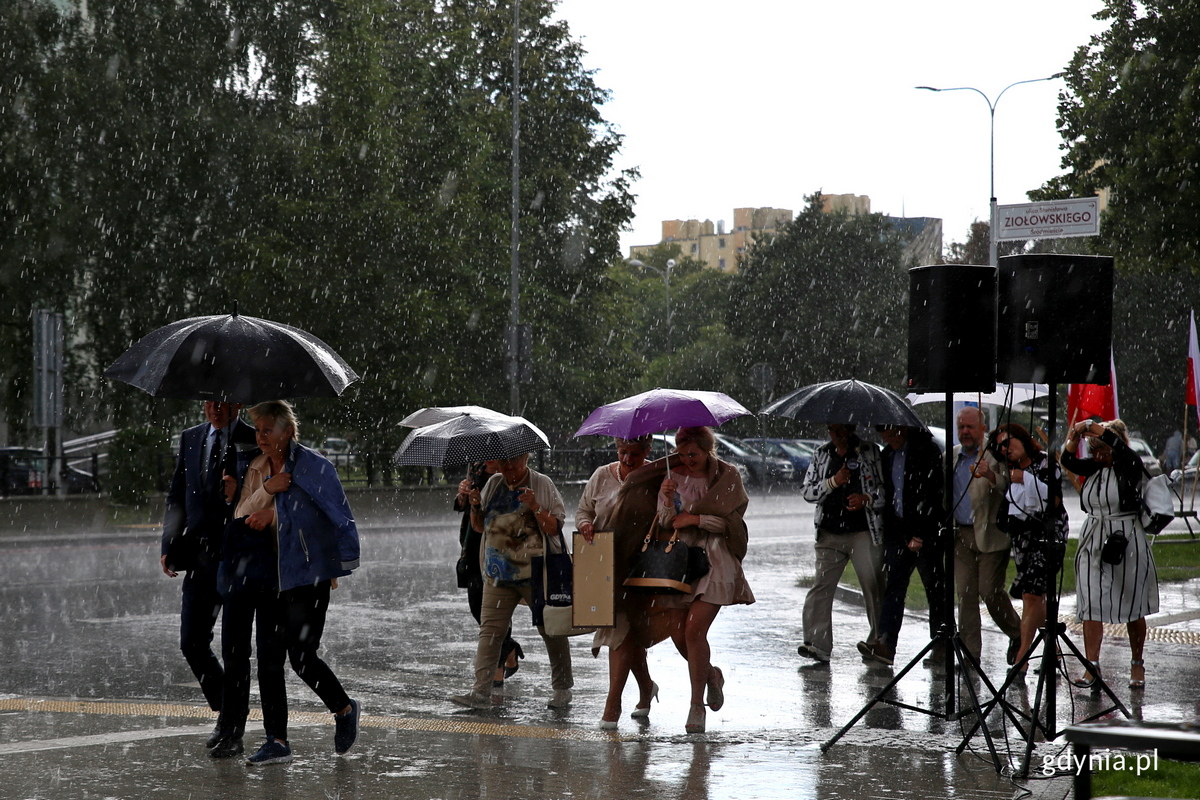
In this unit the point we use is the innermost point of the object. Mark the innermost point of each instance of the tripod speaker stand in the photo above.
(951, 348)
(1055, 326)
(1049, 637)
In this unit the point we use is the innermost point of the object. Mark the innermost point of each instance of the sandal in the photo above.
(1137, 683)
(1088, 679)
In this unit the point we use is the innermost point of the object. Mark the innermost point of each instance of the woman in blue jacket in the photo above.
(294, 493)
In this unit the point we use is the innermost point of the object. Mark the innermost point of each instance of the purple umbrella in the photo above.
(659, 410)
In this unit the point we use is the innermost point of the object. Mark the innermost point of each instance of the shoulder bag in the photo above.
(667, 566)
(553, 595)
(1157, 511)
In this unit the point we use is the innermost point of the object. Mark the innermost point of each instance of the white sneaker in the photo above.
(561, 699)
(473, 700)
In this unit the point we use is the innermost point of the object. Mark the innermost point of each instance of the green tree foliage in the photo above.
(1129, 119)
(825, 299)
(696, 351)
(341, 165)
(976, 248)
(136, 458)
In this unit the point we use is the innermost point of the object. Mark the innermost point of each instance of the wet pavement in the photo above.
(96, 701)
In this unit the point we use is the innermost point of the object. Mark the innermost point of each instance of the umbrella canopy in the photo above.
(232, 358)
(847, 401)
(658, 410)
(465, 439)
(435, 414)
(1013, 394)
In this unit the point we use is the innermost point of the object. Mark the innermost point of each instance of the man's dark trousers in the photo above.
(899, 563)
(199, 614)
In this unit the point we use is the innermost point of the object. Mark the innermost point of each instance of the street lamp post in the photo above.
(993, 259)
(666, 276)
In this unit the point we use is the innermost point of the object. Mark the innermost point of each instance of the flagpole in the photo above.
(1192, 393)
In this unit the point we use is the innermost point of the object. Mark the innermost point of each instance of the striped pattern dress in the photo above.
(1122, 592)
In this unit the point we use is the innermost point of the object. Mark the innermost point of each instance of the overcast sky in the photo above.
(760, 102)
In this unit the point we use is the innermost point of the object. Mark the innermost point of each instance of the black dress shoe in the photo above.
(214, 737)
(1014, 646)
(227, 747)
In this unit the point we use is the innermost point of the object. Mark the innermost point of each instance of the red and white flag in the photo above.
(1086, 400)
(1193, 379)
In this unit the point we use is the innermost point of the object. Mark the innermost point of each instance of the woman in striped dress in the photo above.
(1111, 496)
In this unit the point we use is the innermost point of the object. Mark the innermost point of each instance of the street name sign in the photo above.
(1051, 219)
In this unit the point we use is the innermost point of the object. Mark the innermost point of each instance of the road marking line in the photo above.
(302, 718)
(118, 737)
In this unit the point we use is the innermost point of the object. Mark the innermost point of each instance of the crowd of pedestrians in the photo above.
(263, 528)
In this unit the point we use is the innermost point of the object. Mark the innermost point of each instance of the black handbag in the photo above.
(1113, 551)
(189, 548)
(667, 566)
(1002, 515)
(462, 572)
(248, 559)
(698, 563)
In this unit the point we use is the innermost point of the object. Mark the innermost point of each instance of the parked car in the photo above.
(1181, 479)
(337, 450)
(1146, 453)
(796, 452)
(763, 469)
(754, 468)
(23, 471)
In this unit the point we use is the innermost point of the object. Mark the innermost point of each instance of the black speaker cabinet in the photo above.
(952, 328)
(1054, 319)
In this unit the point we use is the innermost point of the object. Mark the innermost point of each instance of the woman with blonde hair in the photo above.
(296, 539)
(701, 498)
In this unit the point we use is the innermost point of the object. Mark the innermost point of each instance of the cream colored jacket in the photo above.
(985, 504)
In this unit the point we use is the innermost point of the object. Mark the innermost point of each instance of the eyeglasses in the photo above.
(1002, 444)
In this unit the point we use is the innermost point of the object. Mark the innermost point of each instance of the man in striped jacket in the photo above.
(845, 480)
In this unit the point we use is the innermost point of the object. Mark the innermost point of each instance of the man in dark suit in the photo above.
(192, 530)
(912, 537)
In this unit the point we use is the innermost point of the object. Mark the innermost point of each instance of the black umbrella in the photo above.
(467, 439)
(232, 358)
(848, 401)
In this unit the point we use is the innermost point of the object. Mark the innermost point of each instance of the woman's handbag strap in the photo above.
(650, 537)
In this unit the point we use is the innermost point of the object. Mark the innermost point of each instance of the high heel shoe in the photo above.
(1137, 683)
(519, 653)
(1088, 679)
(695, 720)
(716, 688)
(642, 713)
(606, 725)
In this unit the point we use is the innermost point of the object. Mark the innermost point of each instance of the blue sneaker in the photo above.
(273, 751)
(345, 729)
